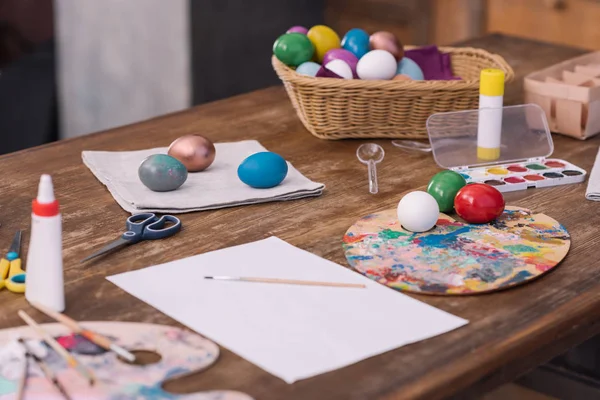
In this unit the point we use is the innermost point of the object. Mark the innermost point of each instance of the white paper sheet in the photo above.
(291, 331)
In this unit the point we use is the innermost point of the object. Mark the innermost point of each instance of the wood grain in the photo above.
(509, 332)
(568, 22)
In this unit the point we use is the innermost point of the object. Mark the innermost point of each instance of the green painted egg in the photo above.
(293, 49)
(444, 186)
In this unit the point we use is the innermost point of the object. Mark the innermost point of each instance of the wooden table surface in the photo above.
(509, 332)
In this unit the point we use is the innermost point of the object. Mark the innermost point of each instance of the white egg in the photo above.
(377, 64)
(340, 67)
(418, 211)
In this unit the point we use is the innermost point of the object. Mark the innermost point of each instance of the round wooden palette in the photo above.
(455, 258)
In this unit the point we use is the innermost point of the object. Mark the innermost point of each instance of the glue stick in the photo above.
(489, 128)
(44, 282)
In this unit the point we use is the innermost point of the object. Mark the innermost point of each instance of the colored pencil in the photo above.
(286, 281)
(50, 341)
(93, 337)
(50, 375)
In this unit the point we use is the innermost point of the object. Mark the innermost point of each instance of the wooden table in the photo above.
(509, 332)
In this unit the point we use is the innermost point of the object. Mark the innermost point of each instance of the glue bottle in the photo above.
(489, 128)
(44, 281)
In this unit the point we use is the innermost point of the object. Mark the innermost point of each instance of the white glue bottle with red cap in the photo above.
(44, 282)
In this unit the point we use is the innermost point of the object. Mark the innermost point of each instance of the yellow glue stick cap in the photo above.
(491, 82)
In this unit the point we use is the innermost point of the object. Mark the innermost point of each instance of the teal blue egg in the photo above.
(406, 66)
(263, 170)
(162, 173)
(308, 68)
(356, 41)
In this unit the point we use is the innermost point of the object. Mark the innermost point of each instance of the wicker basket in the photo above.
(340, 109)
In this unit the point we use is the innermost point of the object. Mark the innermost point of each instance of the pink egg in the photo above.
(387, 41)
(297, 29)
(344, 55)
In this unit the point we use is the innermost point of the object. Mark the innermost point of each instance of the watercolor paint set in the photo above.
(523, 157)
(519, 176)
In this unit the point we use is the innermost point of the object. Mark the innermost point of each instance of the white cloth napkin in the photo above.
(593, 187)
(216, 187)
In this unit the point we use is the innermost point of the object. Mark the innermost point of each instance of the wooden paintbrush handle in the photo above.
(306, 283)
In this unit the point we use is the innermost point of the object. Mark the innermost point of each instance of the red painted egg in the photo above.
(478, 203)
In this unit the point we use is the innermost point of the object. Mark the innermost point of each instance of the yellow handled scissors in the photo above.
(11, 275)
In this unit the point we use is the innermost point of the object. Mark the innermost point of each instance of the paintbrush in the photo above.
(50, 375)
(93, 337)
(285, 281)
(22, 382)
(50, 341)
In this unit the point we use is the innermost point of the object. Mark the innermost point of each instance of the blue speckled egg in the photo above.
(263, 170)
(162, 173)
(308, 68)
(406, 66)
(356, 41)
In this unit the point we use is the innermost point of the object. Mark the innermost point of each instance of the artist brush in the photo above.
(23, 380)
(50, 375)
(93, 337)
(50, 341)
(286, 281)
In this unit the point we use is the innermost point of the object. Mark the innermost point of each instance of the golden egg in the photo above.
(194, 151)
(387, 41)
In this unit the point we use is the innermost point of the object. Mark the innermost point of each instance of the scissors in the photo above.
(146, 226)
(11, 275)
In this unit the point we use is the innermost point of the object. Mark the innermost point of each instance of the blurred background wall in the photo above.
(73, 67)
(120, 62)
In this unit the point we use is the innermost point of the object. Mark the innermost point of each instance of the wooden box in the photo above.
(569, 93)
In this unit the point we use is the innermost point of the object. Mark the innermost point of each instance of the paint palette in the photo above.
(455, 258)
(519, 176)
(178, 353)
(526, 144)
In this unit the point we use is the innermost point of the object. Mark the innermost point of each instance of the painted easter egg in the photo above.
(444, 186)
(406, 66)
(195, 152)
(325, 73)
(418, 211)
(339, 68)
(293, 49)
(376, 64)
(345, 56)
(323, 39)
(402, 77)
(308, 68)
(356, 41)
(263, 170)
(297, 29)
(387, 41)
(478, 203)
(162, 173)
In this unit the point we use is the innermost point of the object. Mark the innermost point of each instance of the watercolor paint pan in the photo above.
(523, 159)
(520, 176)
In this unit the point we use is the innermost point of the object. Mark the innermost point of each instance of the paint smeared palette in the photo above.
(455, 258)
(518, 176)
(181, 353)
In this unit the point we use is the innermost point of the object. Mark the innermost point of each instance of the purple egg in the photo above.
(344, 55)
(297, 29)
(325, 73)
